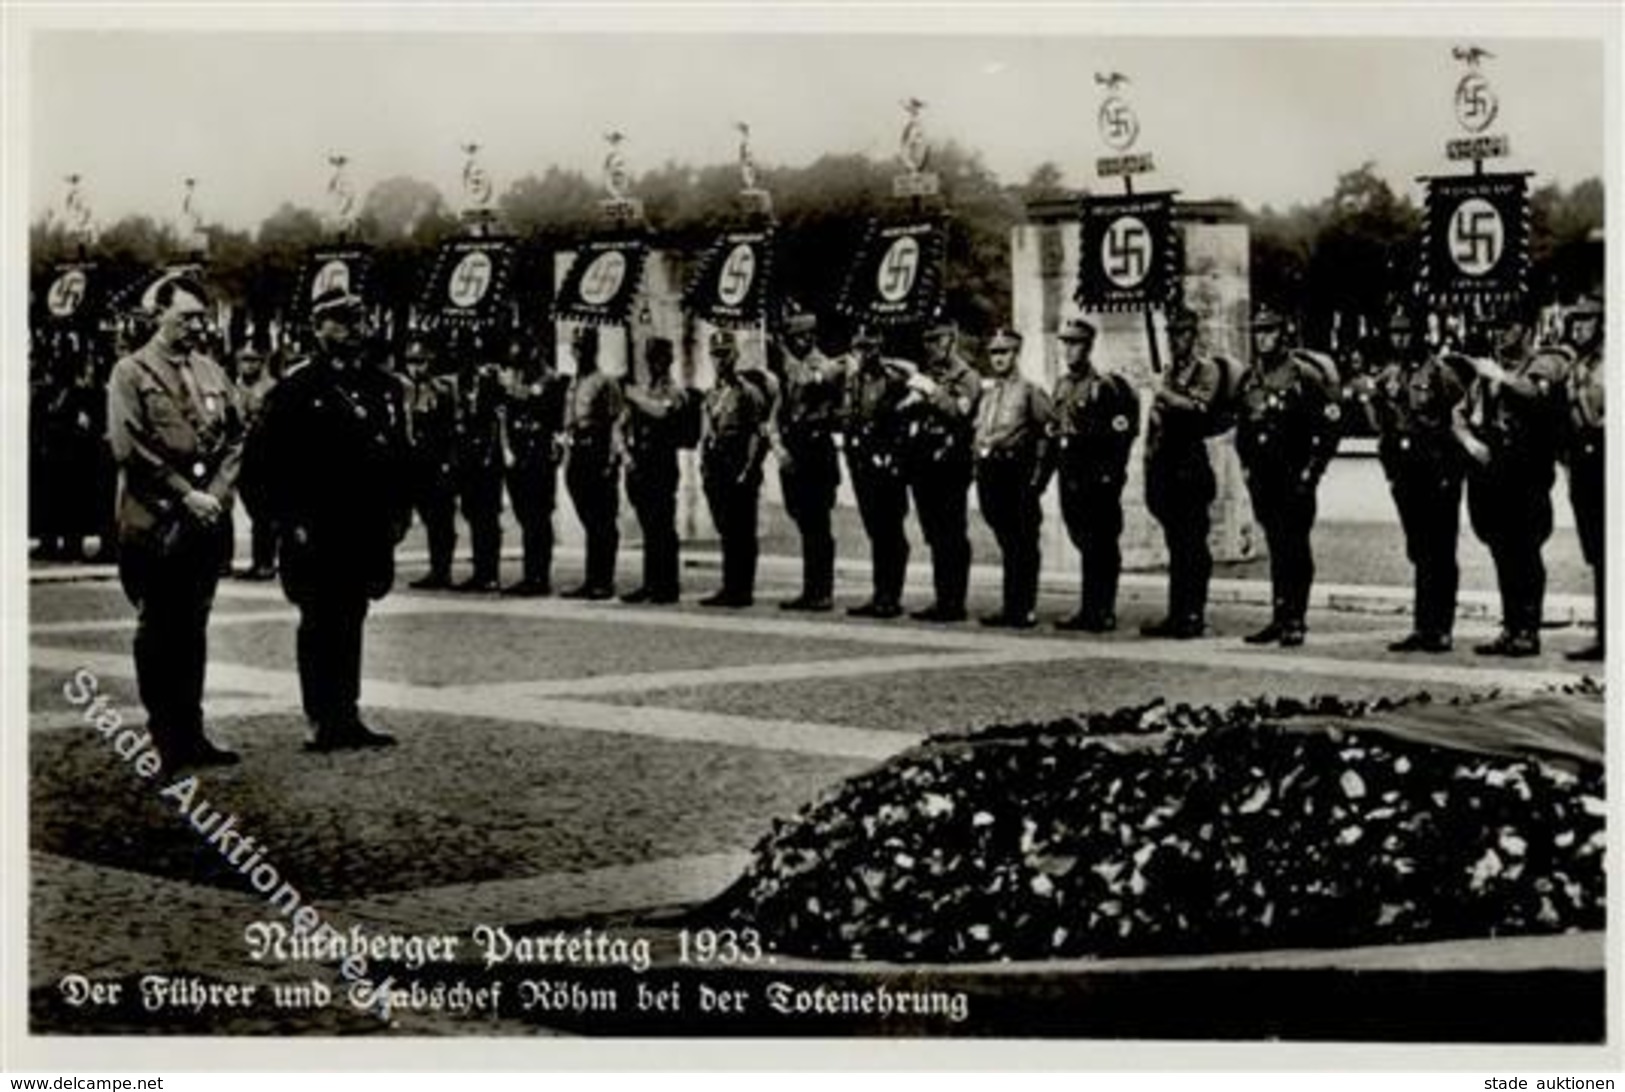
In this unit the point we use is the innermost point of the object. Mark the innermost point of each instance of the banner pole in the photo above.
(1150, 320)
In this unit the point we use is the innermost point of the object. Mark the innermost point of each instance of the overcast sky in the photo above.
(253, 116)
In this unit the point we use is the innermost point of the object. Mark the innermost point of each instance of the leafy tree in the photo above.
(1045, 183)
(1363, 255)
(395, 208)
(1281, 246)
(554, 206)
(823, 212)
(1566, 260)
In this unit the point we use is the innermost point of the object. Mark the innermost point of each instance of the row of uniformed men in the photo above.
(70, 470)
(1498, 420)
(928, 430)
(922, 429)
(328, 466)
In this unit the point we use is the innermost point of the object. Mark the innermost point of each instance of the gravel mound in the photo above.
(1157, 830)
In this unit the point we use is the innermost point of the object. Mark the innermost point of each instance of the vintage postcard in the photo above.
(823, 527)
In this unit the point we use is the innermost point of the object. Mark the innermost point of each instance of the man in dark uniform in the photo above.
(1411, 405)
(104, 490)
(533, 431)
(654, 411)
(875, 433)
(941, 411)
(479, 465)
(67, 430)
(254, 383)
(44, 386)
(335, 428)
(177, 436)
(805, 421)
(1585, 449)
(431, 403)
(1097, 417)
(737, 411)
(1179, 483)
(1290, 422)
(593, 472)
(1013, 424)
(1508, 426)
(79, 418)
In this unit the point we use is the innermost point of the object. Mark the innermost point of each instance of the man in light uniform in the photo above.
(177, 436)
(1013, 424)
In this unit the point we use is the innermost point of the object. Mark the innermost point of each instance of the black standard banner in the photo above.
(139, 295)
(1128, 254)
(897, 277)
(72, 295)
(1476, 238)
(602, 281)
(733, 283)
(345, 268)
(472, 282)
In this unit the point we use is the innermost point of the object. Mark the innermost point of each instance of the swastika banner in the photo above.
(897, 277)
(733, 282)
(1128, 257)
(471, 284)
(327, 267)
(1476, 238)
(139, 295)
(71, 295)
(603, 280)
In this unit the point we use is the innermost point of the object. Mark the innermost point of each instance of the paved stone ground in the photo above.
(559, 762)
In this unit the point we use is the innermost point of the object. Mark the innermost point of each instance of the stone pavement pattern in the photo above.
(558, 761)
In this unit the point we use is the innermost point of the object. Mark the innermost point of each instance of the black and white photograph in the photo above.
(937, 527)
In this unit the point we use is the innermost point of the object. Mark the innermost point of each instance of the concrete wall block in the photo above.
(1044, 264)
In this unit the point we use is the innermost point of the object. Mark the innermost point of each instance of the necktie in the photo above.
(194, 405)
(183, 368)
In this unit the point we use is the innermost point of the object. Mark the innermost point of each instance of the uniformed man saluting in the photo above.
(737, 410)
(803, 434)
(1584, 450)
(941, 411)
(1290, 422)
(1013, 424)
(1411, 404)
(177, 436)
(1179, 483)
(874, 429)
(1097, 417)
(1508, 427)
(335, 430)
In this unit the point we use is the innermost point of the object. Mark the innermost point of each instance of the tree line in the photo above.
(1351, 254)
